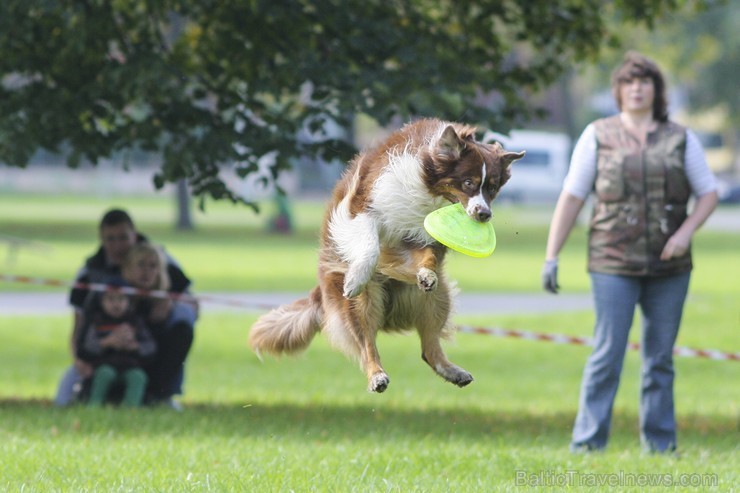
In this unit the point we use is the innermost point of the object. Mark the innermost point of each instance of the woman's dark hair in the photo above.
(635, 65)
(116, 216)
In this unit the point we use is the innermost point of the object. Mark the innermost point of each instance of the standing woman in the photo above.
(642, 169)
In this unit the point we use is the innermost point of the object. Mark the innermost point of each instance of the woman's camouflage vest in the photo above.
(641, 198)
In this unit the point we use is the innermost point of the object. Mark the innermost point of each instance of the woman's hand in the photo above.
(677, 245)
(128, 337)
(84, 368)
(120, 338)
(550, 276)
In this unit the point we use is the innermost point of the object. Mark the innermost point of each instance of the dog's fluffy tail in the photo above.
(288, 328)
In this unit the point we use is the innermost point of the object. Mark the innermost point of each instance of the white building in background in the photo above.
(538, 177)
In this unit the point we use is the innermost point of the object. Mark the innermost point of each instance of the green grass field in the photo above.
(307, 423)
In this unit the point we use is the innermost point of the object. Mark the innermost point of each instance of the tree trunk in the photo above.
(184, 218)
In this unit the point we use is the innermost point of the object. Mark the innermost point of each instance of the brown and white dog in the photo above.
(378, 267)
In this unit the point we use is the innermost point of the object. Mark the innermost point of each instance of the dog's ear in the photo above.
(450, 145)
(510, 157)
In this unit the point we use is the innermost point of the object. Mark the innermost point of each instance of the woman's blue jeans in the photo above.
(661, 301)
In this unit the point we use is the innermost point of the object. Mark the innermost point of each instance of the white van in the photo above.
(538, 177)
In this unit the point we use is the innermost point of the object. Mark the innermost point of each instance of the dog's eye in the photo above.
(468, 183)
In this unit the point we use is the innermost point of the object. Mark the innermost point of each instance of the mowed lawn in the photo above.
(306, 423)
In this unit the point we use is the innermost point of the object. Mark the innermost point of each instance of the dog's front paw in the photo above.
(378, 382)
(426, 279)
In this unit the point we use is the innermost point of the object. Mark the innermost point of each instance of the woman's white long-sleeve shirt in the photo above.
(581, 176)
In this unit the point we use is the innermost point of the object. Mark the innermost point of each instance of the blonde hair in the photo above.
(141, 250)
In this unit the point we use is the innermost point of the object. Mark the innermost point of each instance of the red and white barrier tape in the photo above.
(99, 287)
(496, 332)
(585, 341)
(93, 286)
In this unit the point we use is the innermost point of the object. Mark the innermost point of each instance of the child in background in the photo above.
(117, 343)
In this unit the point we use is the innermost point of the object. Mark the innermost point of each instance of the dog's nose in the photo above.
(483, 216)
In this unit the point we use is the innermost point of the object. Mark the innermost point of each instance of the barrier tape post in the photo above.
(712, 354)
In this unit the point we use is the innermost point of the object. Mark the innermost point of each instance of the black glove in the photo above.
(550, 276)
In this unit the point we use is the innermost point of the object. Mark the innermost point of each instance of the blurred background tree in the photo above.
(699, 52)
(217, 88)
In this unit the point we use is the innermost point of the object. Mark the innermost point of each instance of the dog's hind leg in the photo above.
(351, 325)
(432, 323)
(366, 317)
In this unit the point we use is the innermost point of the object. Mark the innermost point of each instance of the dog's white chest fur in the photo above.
(400, 201)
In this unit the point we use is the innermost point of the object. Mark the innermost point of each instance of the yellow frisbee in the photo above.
(451, 226)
